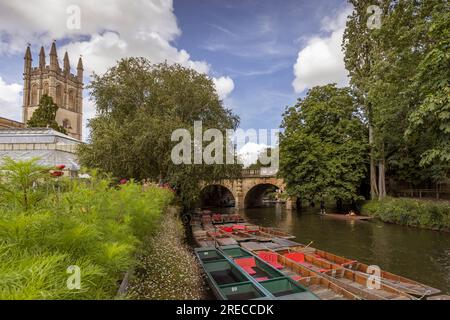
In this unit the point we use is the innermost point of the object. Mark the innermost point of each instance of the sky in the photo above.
(261, 54)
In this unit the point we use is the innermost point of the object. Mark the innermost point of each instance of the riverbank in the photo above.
(433, 215)
(166, 268)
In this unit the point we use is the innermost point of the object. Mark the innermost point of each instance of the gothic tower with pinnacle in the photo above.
(65, 88)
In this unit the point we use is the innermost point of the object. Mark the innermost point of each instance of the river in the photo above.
(418, 254)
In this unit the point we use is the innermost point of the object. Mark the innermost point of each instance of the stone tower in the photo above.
(65, 88)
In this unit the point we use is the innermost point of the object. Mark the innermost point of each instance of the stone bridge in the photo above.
(250, 188)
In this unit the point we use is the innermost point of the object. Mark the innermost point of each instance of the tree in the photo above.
(358, 46)
(139, 105)
(389, 71)
(45, 115)
(432, 117)
(323, 149)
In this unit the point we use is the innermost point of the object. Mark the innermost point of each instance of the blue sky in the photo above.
(263, 54)
(256, 43)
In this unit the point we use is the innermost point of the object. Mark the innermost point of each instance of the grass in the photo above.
(426, 214)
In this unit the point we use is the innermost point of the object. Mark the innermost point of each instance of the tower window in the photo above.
(59, 95)
(34, 95)
(71, 100)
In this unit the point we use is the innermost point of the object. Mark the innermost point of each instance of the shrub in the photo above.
(89, 224)
(411, 212)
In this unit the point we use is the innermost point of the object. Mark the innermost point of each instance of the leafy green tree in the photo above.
(139, 105)
(391, 77)
(323, 149)
(432, 117)
(45, 115)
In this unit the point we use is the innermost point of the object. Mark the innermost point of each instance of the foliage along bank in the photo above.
(425, 214)
(65, 225)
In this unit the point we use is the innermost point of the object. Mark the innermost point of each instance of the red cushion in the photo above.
(296, 278)
(246, 262)
(296, 256)
(249, 270)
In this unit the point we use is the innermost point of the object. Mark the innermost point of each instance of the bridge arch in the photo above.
(217, 195)
(255, 196)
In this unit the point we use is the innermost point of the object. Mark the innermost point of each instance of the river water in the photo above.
(418, 254)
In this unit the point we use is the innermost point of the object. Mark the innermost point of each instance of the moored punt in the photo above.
(401, 283)
(308, 261)
(209, 238)
(236, 234)
(355, 282)
(257, 235)
(227, 281)
(276, 282)
(348, 279)
(253, 245)
(320, 286)
(276, 232)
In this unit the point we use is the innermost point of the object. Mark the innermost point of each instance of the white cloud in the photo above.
(108, 33)
(248, 154)
(10, 100)
(224, 86)
(322, 60)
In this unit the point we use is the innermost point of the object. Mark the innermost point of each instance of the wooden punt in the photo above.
(401, 283)
(209, 238)
(226, 280)
(277, 233)
(253, 245)
(346, 217)
(275, 282)
(236, 234)
(257, 235)
(348, 279)
(320, 286)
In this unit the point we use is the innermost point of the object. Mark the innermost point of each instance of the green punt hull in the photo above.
(276, 283)
(226, 280)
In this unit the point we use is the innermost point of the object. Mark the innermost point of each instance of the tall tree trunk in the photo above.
(373, 168)
(382, 177)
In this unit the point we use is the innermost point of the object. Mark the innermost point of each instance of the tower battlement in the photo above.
(64, 87)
